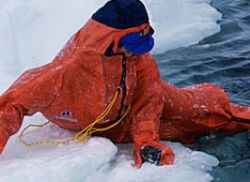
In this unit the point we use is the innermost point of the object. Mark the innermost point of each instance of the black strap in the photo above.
(123, 85)
(241, 120)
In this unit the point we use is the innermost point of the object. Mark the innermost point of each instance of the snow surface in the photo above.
(32, 32)
(93, 161)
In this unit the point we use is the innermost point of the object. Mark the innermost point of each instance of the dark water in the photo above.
(223, 59)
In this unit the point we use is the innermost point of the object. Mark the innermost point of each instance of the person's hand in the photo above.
(156, 151)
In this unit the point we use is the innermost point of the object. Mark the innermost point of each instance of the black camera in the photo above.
(151, 154)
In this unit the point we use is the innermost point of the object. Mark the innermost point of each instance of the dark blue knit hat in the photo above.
(122, 14)
(137, 43)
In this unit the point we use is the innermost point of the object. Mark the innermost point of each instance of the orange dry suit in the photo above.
(197, 110)
(79, 83)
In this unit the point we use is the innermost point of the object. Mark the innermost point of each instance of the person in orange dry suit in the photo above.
(110, 52)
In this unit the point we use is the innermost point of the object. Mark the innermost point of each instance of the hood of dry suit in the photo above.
(107, 26)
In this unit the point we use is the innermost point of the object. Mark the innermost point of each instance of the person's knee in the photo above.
(4, 136)
(11, 116)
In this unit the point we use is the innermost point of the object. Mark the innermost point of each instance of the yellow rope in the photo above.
(83, 134)
(87, 132)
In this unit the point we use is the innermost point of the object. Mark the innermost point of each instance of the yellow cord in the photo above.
(83, 134)
(88, 131)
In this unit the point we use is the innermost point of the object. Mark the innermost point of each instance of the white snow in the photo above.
(32, 32)
(181, 22)
(93, 161)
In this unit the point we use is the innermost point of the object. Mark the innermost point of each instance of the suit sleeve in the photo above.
(147, 104)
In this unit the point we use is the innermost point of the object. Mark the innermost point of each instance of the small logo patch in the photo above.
(67, 115)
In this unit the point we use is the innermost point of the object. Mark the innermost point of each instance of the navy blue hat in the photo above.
(137, 43)
(122, 14)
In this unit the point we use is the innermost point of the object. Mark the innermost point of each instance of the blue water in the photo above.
(222, 59)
